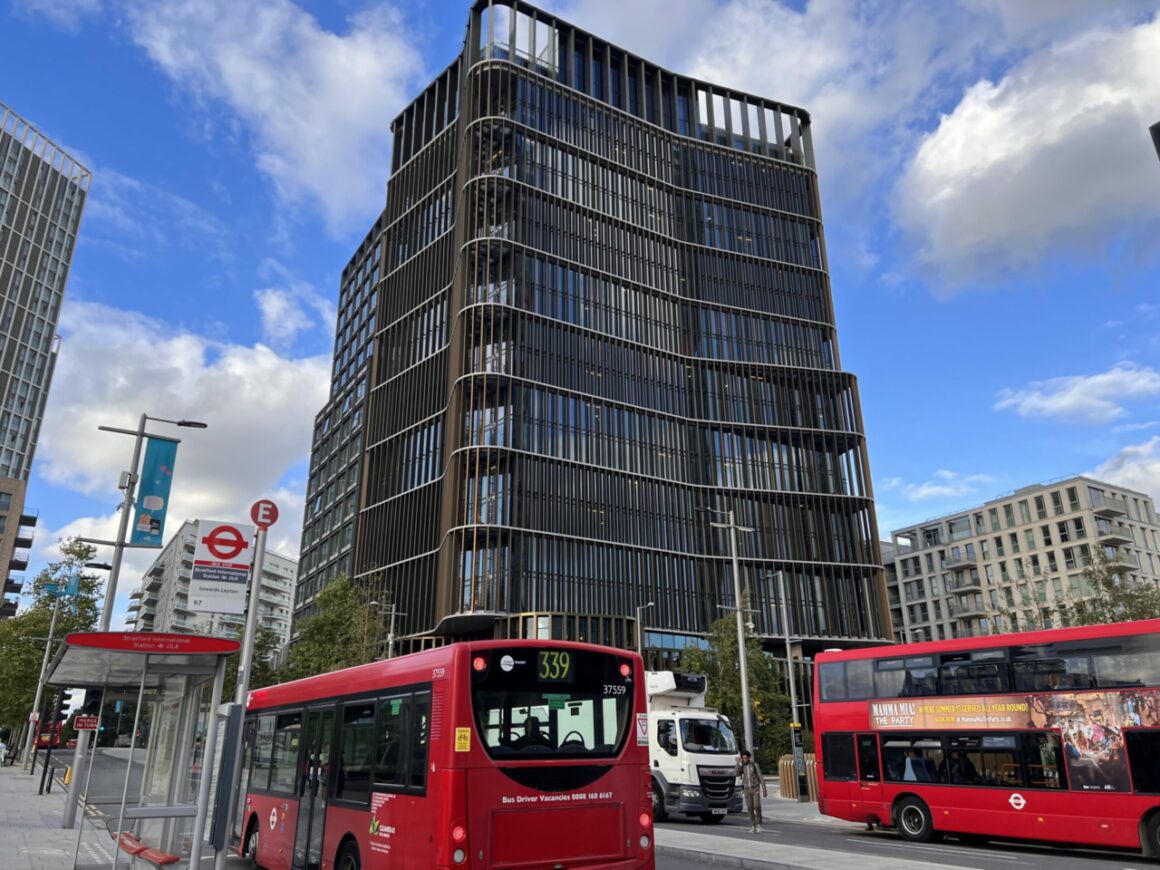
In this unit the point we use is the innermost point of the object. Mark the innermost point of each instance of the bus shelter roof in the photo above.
(124, 658)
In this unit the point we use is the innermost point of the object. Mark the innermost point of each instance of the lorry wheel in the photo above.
(658, 803)
(710, 819)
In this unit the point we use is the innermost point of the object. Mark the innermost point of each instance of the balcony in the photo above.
(959, 562)
(965, 583)
(1124, 559)
(1108, 506)
(23, 542)
(1112, 536)
(7, 608)
(19, 562)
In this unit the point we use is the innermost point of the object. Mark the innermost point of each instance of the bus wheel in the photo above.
(1152, 835)
(250, 847)
(912, 818)
(658, 802)
(348, 857)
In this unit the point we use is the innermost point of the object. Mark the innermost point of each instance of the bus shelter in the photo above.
(162, 679)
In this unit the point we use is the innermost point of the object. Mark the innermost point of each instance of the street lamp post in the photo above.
(40, 682)
(391, 631)
(742, 658)
(795, 727)
(129, 485)
(639, 630)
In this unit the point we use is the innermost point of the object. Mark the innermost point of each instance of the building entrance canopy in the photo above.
(160, 681)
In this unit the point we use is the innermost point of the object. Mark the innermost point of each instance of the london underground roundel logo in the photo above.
(1017, 801)
(225, 542)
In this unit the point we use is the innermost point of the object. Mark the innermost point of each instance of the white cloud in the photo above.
(317, 104)
(1136, 466)
(282, 316)
(1083, 398)
(943, 484)
(1050, 157)
(259, 407)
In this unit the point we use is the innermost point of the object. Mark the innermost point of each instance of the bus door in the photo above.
(313, 783)
(869, 771)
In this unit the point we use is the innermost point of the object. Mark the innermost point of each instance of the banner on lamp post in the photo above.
(153, 493)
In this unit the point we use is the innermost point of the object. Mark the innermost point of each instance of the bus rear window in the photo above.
(551, 702)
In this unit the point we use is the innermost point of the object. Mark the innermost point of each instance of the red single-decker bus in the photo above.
(513, 754)
(1049, 735)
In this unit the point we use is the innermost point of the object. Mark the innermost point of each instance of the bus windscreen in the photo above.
(551, 703)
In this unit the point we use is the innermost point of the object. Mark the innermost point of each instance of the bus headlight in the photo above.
(459, 856)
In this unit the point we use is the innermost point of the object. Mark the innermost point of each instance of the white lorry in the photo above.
(692, 750)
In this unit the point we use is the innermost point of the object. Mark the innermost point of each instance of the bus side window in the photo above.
(1143, 750)
(390, 750)
(263, 753)
(356, 748)
(284, 761)
(838, 762)
(420, 733)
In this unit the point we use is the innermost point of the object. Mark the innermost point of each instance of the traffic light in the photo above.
(63, 699)
(92, 704)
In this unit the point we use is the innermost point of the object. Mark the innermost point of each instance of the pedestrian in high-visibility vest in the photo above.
(753, 788)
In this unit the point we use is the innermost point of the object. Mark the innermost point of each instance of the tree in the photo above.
(1116, 597)
(263, 666)
(719, 663)
(344, 631)
(22, 638)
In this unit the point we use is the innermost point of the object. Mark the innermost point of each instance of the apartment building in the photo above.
(42, 194)
(1016, 562)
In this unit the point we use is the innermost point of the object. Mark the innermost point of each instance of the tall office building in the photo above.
(161, 602)
(42, 193)
(1017, 562)
(601, 313)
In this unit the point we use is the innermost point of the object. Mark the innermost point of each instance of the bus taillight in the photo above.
(480, 664)
(626, 670)
(645, 820)
(459, 838)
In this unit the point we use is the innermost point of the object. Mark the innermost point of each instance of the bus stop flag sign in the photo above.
(221, 567)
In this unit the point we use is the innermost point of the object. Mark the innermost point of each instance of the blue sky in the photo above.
(991, 198)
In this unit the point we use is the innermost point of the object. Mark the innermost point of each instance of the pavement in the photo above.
(31, 837)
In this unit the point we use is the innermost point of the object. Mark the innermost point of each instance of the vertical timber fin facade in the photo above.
(604, 313)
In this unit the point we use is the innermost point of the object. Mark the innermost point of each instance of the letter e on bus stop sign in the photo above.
(264, 513)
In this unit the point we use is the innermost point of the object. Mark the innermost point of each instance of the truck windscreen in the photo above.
(708, 735)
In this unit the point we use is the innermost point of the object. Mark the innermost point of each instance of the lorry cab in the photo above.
(692, 750)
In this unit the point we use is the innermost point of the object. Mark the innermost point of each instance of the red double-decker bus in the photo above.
(491, 754)
(1049, 735)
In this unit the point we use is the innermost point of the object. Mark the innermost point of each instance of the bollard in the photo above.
(68, 774)
(51, 776)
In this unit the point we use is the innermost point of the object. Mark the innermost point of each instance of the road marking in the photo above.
(957, 852)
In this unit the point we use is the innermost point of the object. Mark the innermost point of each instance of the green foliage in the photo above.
(23, 637)
(263, 666)
(344, 631)
(1116, 597)
(720, 664)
